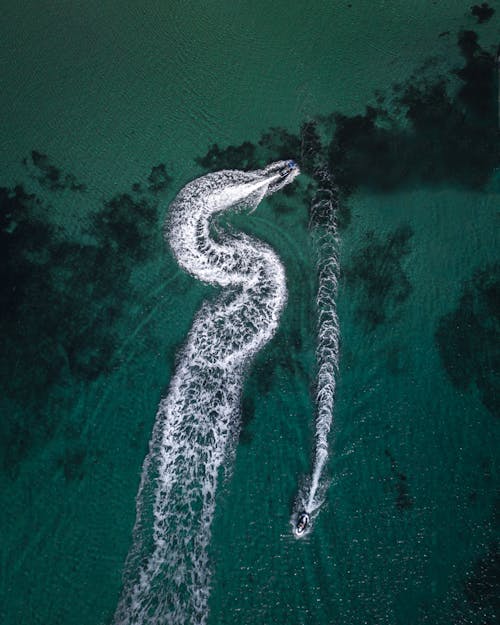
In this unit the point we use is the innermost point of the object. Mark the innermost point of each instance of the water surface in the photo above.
(111, 109)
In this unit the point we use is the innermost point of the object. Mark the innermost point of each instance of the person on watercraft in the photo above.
(290, 166)
(302, 523)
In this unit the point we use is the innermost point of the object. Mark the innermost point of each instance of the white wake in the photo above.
(167, 573)
(323, 228)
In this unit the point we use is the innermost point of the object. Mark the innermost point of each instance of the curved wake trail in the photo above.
(167, 575)
(323, 229)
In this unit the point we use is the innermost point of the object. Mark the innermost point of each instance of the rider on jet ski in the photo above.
(302, 523)
(291, 165)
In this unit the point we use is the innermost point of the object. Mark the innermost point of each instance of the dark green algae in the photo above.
(60, 300)
(468, 338)
(432, 131)
(377, 271)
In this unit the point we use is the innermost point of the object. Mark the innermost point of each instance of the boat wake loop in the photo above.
(167, 575)
(324, 235)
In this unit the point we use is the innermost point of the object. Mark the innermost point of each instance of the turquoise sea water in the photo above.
(108, 110)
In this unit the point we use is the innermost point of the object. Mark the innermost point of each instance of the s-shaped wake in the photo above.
(167, 574)
(323, 228)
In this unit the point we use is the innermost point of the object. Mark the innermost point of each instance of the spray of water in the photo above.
(167, 573)
(323, 230)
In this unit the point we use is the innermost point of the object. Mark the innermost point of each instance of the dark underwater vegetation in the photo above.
(468, 338)
(483, 12)
(50, 176)
(426, 132)
(60, 301)
(377, 271)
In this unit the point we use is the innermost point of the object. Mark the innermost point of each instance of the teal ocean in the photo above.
(108, 109)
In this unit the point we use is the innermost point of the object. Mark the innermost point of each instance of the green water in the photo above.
(94, 96)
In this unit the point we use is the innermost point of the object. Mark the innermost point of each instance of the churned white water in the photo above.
(324, 234)
(167, 573)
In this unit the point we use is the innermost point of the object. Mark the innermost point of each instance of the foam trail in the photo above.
(167, 575)
(325, 238)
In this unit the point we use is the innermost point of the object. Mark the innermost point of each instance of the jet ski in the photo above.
(290, 166)
(302, 523)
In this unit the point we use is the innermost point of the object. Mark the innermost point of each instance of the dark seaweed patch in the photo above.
(50, 176)
(376, 272)
(275, 144)
(159, 179)
(399, 484)
(124, 226)
(278, 144)
(60, 303)
(482, 11)
(468, 339)
(478, 94)
(448, 138)
(22, 235)
(481, 586)
(232, 157)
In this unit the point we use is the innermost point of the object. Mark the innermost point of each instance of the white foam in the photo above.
(167, 573)
(324, 233)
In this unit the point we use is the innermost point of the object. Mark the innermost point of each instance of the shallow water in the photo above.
(94, 307)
